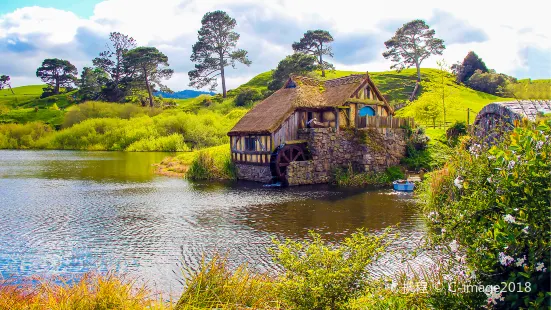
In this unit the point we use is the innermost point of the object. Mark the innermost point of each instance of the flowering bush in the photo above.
(495, 205)
(320, 276)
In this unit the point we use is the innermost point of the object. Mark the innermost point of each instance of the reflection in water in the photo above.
(64, 212)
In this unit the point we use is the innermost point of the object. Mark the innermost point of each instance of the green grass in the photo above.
(26, 115)
(23, 94)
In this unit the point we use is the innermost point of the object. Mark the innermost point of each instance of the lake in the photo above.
(70, 212)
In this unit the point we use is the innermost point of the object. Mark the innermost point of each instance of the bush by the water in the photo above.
(319, 276)
(496, 202)
(168, 131)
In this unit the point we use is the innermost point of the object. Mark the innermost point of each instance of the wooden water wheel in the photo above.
(282, 156)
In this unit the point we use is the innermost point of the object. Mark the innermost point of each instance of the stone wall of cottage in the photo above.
(365, 149)
(254, 173)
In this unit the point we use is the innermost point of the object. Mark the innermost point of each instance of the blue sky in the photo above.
(511, 39)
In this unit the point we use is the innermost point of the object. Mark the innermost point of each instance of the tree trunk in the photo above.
(444, 98)
(321, 61)
(148, 89)
(11, 89)
(418, 71)
(223, 77)
(56, 87)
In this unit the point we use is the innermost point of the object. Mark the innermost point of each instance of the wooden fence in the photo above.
(385, 122)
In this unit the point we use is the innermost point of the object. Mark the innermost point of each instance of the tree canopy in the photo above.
(57, 73)
(5, 81)
(214, 50)
(91, 81)
(148, 66)
(316, 43)
(297, 63)
(411, 45)
(111, 61)
(463, 71)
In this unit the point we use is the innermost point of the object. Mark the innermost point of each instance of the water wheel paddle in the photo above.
(282, 156)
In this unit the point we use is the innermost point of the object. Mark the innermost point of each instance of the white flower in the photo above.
(525, 229)
(454, 246)
(509, 218)
(505, 260)
(539, 144)
(494, 296)
(520, 261)
(491, 157)
(511, 165)
(458, 182)
(443, 230)
(461, 259)
(489, 180)
(539, 267)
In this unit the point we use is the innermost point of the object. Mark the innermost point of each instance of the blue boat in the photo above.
(403, 186)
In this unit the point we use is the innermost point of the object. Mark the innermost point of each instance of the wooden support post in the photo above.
(337, 119)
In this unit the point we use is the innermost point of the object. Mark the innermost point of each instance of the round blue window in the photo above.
(366, 111)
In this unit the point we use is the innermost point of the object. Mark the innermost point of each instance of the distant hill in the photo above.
(184, 94)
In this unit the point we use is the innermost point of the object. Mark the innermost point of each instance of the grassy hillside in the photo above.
(108, 125)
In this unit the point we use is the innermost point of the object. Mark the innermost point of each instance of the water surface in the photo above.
(69, 212)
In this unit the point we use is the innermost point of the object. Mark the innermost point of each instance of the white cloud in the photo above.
(268, 29)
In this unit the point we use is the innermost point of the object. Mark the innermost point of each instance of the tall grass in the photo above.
(211, 165)
(215, 286)
(90, 292)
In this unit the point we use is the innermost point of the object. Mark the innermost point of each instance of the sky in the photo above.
(512, 39)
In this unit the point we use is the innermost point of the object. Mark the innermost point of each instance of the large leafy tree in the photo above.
(57, 73)
(411, 45)
(91, 81)
(111, 61)
(316, 43)
(463, 71)
(5, 81)
(148, 66)
(214, 50)
(297, 63)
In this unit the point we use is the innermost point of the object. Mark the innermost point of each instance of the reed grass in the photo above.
(215, 286)
(91, 291)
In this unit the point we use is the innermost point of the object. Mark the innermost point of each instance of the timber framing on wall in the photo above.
(259, 156)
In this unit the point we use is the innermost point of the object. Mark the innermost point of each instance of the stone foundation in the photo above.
(365, 149)
(254, 173)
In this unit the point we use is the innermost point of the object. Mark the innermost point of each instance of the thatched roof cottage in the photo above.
(269, 133)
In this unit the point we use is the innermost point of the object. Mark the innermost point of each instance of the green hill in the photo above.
(397, 87)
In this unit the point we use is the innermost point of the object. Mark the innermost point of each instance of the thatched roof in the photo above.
(309, 93)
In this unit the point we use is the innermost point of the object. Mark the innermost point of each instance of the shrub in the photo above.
(489, 82)
(458, 129)
(496, 201)
(247, 96)
(214, 285)
(23, 136)
(321, 276)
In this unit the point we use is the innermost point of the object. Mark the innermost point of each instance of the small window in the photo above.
(250, 143)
